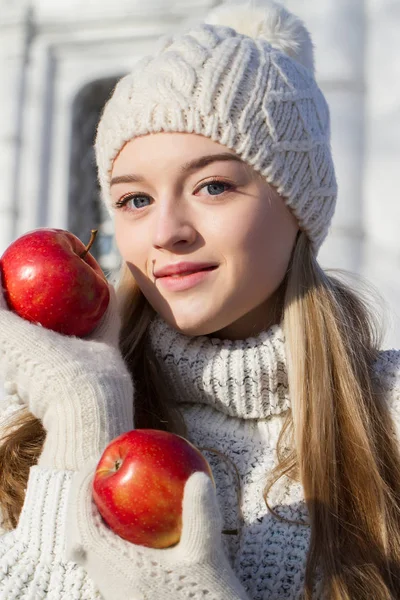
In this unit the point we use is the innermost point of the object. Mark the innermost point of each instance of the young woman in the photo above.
(214, 160)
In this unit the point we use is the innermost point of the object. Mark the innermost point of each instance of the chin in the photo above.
(193, 325)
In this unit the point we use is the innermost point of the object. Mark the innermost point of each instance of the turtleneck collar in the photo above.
(242, 378)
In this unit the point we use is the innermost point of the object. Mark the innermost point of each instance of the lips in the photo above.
(175, 275)
(183, 269)
(187, 279)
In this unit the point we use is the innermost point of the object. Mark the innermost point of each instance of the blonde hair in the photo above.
(338, 438)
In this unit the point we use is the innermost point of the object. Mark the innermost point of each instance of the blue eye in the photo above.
(216, 187)
(138, 201)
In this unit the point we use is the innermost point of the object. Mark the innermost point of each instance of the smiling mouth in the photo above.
(180, 282)
(186, 273)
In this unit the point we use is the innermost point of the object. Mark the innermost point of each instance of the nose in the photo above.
(172, 226)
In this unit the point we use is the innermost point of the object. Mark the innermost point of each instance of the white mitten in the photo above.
(195, 568)
(80, 389)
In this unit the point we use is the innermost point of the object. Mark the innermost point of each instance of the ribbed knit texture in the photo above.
(32, 557)
(267, 555)
(245, 94)
(245, 378)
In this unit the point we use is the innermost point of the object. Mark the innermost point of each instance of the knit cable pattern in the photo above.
(242, 93)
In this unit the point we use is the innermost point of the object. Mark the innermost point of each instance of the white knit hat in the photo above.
(244, 79)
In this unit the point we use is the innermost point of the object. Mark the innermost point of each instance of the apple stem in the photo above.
(117, 464)
(93, 234)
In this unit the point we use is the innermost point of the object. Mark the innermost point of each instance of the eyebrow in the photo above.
(189, 167)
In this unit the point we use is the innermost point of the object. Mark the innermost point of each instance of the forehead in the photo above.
(155, 149)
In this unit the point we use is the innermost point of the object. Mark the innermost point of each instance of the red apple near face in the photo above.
(50, 278)
(139, 482)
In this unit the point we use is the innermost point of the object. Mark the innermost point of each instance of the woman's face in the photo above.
(182, 198)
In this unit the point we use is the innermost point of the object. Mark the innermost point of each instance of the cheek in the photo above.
(265, 240)
(133, 245)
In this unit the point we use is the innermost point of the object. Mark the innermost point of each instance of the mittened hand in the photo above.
(195, 567)
(79, 388)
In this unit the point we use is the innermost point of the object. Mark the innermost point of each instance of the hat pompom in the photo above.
(270, 21)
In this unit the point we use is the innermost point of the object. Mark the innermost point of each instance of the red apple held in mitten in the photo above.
(139, 483)
(49, 277)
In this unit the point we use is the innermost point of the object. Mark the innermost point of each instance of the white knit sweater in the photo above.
(233, 396)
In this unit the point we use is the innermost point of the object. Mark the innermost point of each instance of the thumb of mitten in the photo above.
(202, 523)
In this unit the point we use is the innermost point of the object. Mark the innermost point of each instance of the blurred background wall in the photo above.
(60, 59)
